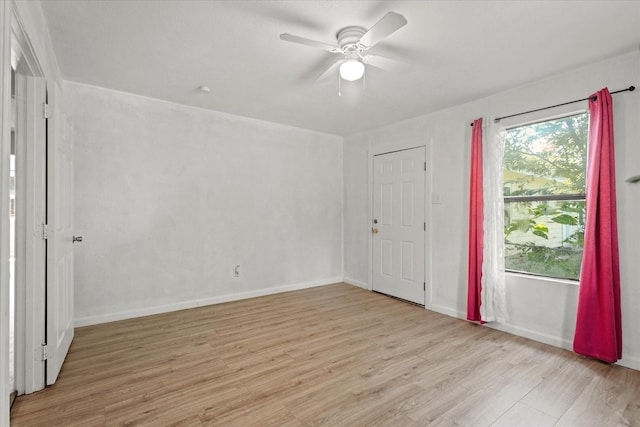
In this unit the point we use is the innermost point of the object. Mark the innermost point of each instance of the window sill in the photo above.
(543, 278)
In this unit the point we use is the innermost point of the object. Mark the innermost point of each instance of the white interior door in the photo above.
(60, 236)
(398, 224)
(30, 217)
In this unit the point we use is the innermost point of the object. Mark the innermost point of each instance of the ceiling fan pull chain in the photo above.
(339, 85)
(364, 80)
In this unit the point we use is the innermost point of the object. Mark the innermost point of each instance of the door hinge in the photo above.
(45, 231)
(425, 226)
(45, 356)
(424, 286)
(425, 165)
(45, 110)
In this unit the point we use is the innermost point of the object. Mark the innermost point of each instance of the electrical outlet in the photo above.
(236, 271)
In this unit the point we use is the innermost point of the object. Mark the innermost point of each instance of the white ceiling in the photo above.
(458, 51)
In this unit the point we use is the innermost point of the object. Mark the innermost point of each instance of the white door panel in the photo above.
(398, 224)
(60, 243)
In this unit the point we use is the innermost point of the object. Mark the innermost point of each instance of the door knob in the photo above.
(76, 239)
(374, 230)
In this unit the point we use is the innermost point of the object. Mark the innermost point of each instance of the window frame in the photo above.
(542, 118)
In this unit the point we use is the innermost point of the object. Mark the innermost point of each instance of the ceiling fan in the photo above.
(353, 43)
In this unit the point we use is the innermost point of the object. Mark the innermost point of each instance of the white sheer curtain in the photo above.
(493, 295)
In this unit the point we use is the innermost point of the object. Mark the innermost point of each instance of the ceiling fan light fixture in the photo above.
(351, 70)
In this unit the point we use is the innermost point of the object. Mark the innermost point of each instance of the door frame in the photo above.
(30, 271)
(377, 148)
(5, 150)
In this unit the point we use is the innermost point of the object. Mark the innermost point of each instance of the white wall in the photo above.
(169, 197)
(539, 309)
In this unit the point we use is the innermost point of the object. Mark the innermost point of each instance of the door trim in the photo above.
(30, 278)
(5, 150)
(376, 149)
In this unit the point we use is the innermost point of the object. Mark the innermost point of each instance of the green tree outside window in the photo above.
(544, 189)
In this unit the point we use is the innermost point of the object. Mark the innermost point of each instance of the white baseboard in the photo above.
(532, 335)
(626, 361)
(629, 362)
(511, 329)
(165, 308)
(354, 282)
(448, 311)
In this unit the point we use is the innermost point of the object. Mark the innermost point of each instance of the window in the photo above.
(544, 196)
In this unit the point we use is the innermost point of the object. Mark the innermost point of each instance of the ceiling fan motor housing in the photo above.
(349, 37)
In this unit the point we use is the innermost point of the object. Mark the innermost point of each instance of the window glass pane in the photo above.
(545, 238)
(547, 158)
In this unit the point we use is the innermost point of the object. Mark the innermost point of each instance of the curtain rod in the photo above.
(593, 98)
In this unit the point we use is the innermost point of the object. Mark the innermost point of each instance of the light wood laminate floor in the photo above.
(334, 355)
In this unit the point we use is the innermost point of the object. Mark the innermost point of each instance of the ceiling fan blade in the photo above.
(390, 23)
(326, 67)
(307, 42)
(385, 63)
